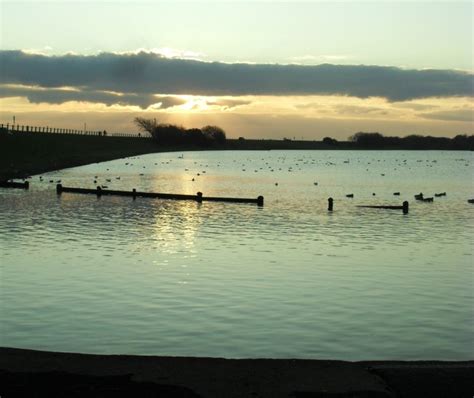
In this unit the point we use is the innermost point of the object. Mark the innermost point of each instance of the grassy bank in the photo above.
(24, 154)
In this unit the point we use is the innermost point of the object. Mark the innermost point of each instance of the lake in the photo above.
(289, 279)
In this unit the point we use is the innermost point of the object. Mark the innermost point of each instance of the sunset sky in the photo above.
(258, 69)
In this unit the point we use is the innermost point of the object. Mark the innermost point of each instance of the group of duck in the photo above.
(418, 196)
(421, 198)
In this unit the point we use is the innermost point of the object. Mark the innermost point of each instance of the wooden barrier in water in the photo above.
(9, 184)
(330, 204)
(404, 207)
(134, 194)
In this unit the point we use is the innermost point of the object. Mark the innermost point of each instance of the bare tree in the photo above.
(146, 125)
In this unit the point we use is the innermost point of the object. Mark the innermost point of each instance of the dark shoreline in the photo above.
(42, 373)
(25, 154)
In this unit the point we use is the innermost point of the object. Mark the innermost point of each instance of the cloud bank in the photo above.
(145, 74)
(37, 95)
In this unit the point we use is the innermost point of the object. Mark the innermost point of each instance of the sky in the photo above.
(259, 69)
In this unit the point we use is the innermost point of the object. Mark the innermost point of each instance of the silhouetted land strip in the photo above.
(24, 154)
(135, 194)
(40, 373)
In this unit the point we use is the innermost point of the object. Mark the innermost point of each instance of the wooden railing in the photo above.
(17, 128)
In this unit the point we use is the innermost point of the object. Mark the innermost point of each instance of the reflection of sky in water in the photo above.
(163, 277)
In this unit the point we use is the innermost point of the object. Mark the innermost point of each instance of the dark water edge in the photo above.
(40, 373)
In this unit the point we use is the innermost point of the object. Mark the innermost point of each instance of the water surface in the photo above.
(114, 275)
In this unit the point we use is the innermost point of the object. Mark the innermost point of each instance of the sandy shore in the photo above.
(40, 373)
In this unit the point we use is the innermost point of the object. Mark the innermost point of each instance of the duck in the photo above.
(350, 195)
(427, 199)
(440, 194)
(470, 201)
(396, 193)
(419, 196)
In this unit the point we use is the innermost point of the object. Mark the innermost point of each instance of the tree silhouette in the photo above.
(171, 134)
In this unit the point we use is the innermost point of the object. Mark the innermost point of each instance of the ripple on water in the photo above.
(286, 280)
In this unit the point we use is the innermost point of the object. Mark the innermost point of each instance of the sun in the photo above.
(193, 103)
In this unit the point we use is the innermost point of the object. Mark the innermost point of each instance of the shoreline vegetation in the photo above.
(23, 154)
(26, 372)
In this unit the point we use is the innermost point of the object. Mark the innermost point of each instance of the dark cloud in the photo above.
(59, 96)
(146, 73)
(455, 115)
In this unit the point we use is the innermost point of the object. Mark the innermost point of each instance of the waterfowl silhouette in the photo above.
(350, 195)
(419, 196)
(427, 199)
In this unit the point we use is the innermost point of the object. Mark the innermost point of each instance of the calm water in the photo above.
(113, 275)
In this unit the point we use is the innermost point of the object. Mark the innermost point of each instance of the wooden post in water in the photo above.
(405, 207)
(330, 204)
(260, 201)
(199, 197)
(59, 189)
(134, 192)
(99, 191)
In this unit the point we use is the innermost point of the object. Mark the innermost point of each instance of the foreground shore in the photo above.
(41, 373)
